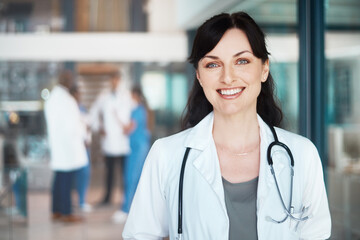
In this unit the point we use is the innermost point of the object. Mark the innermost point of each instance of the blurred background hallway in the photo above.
(98, 223)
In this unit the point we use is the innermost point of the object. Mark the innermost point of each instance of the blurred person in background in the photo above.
(232, 173)
(111, 113)
(139, 144)
(83, 174)
(66, 141)
(13, 166)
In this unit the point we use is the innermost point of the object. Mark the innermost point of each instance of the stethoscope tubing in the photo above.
(276, 142)
(288, 213)
(181, 184)
(287, 210)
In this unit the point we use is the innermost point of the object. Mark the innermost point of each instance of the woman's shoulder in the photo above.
(294, 139)
(170, 147)
(166, 153)
(173, 141)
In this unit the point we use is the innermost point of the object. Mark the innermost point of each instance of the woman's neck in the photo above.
(236, 132)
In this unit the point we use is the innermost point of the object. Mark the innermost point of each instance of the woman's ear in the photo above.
(266, 70)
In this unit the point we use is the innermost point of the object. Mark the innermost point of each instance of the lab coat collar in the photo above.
(200, 138)
(62, 88)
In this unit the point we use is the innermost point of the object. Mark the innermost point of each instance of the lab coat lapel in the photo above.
(207, 164)
(205, 158)
(266, 180)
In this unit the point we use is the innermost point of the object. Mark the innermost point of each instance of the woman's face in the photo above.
(231, 75)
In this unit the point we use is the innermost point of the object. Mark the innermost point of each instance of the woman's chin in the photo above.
(228, 111)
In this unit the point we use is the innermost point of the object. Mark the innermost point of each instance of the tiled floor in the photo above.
(97, 225)
(39, 226)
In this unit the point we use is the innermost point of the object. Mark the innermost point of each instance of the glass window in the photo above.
(343, 116)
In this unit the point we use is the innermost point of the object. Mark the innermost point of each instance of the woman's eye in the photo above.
(242, 61)
(211, 65)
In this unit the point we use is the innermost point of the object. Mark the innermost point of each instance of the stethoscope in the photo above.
(288, 210)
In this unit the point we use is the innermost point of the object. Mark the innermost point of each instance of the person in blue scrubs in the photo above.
(140, 144)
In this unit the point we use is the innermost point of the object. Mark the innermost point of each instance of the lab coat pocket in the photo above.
(300, 218)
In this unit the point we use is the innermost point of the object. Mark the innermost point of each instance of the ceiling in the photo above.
(337, 12)
(340, 14)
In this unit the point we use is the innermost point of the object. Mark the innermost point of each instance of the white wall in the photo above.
(192, 13)
(89, 47)
(162, 16)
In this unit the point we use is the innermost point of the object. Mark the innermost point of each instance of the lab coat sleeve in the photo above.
(319, 224)
(95, 111)
(147, 218)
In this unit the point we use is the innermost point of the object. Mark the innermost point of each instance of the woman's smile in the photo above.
(230, 93)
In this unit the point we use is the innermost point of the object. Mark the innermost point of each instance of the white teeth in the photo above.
(230, 92)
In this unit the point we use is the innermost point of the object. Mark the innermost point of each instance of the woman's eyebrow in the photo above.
(235, 55)
(210, 56)
(239, 53)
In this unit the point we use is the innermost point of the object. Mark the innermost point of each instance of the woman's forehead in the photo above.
(233, 41)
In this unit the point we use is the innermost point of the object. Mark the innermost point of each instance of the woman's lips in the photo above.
(230, 93)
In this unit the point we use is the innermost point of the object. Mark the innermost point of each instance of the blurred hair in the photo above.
(136, 89)
(66, 78)
(74, 89)
(115, 74)
(207, 37)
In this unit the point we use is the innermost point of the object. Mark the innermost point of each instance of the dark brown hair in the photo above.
(207, 37)
(66, 78)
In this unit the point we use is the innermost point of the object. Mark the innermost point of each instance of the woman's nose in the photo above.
(228, 75)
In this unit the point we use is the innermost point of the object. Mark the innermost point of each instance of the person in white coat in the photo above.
(66, 135)
(232, 185)
(111, 113)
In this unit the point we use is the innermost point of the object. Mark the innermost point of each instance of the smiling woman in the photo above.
(246, 51)
(231, 75)
(229, 188)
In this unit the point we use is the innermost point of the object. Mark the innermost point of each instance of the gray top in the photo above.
(240, 200)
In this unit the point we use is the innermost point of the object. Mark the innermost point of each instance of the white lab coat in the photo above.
(66, 132)
(115, 111)
(154, 211)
